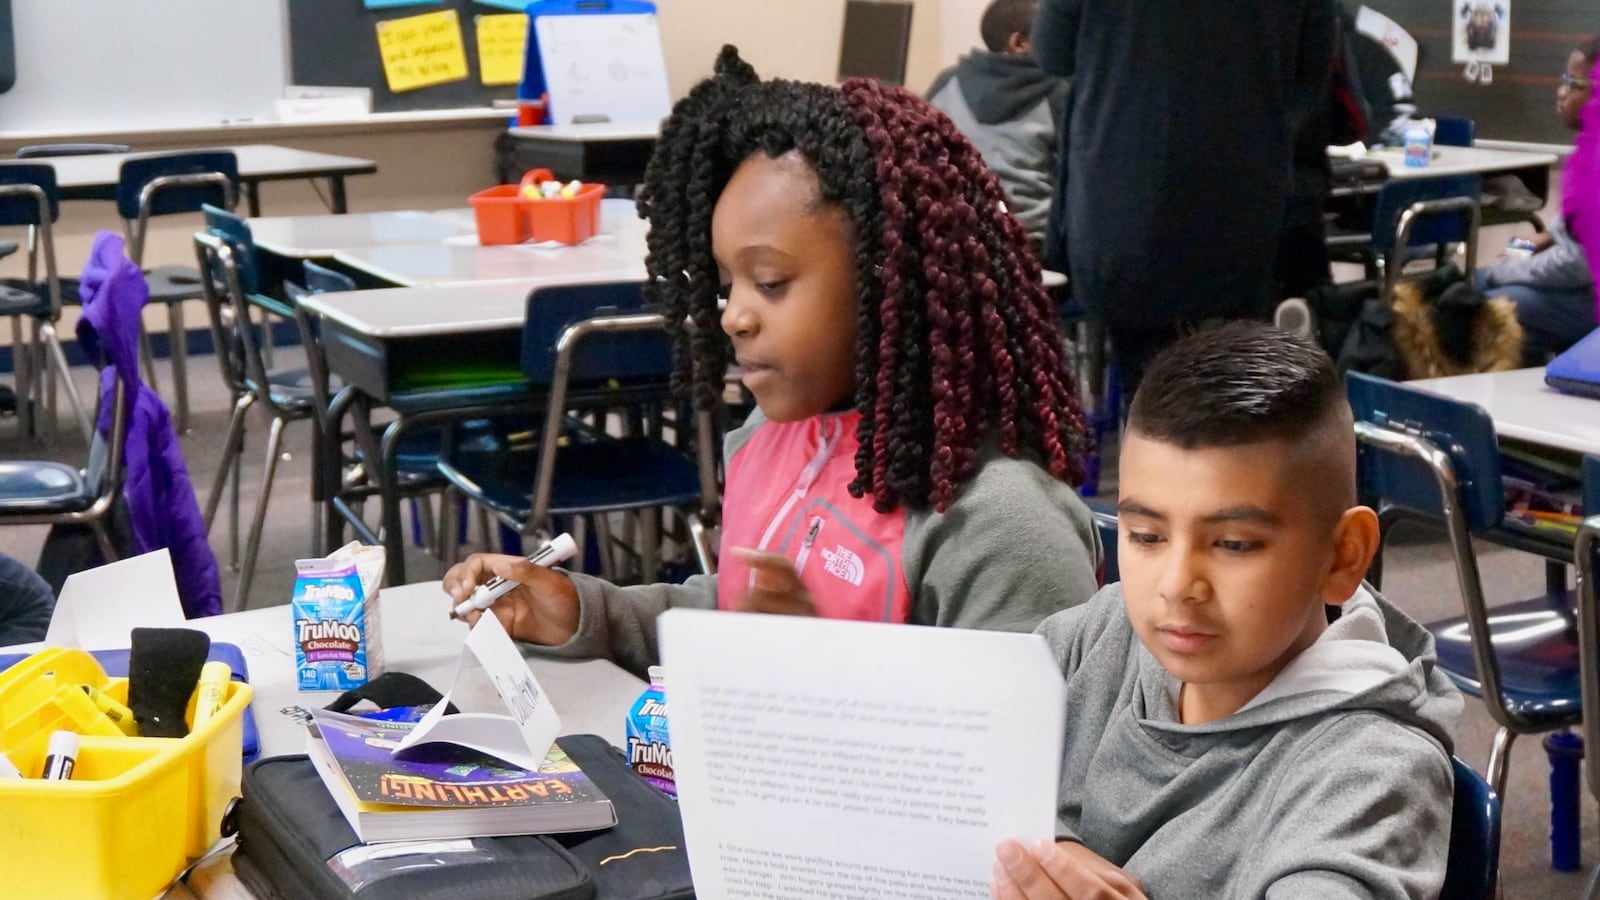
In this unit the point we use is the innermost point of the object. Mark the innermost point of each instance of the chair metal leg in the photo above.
(231, 446)
(1592, 892)
(148, 354)
(449, 531)
(58, 355)
(602, 536)
(252, 545)
(177, 348)
(108, 550)
(1500, 759)
(22, 357)
(649, 545)
(422, 512)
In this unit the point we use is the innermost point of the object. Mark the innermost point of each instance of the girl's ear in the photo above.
(1355, 543)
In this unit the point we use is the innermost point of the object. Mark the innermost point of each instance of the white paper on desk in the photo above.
(822, 758)
(99, 608)
(522, 737)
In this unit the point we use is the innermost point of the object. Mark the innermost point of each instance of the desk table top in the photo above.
(1524, 407)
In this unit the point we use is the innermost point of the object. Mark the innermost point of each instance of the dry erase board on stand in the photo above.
(598, 61)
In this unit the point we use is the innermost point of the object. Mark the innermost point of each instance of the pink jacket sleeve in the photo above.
(1581, 185)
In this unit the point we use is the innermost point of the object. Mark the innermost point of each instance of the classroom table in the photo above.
(92, 177)
(316, 237)
(1449, 160)
(609, 152)
(1525, 408)
(591, 696)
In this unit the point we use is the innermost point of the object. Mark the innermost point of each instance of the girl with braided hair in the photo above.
(917, 432)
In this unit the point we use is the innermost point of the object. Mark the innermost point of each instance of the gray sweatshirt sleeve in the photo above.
(1561, 265)
(619, 623)
(1014, 547)
(1364, 812)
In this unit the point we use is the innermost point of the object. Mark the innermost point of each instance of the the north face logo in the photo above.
(844, 563)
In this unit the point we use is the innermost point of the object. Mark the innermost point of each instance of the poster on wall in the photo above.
(1482, 31)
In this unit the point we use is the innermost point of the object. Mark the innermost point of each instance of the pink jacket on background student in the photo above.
(1581, 185)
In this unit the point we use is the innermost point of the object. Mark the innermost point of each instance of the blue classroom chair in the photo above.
(1589, 643)
(1473, 866)
(1424, 457)
(1105, 521)
(165, 184)
(29, 199)
(589, 348)
(1454, 131)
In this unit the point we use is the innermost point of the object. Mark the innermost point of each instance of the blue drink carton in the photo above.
(1419, 143)
(338, 638)
(649, 750)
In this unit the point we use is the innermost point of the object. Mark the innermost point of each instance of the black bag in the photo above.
(292, 843)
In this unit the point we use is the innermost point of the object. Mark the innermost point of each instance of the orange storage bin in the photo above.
(501, 216)
(506, 217)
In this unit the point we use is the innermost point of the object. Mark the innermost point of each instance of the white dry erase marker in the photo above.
(61, 756)
(558, 550)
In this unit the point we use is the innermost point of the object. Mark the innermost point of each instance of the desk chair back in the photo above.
(30, 198)
(223, 257)
(318, 280)
(1425, 212)
(1432, 458)
(1474, 861)
(169, 183)
(1454, 131)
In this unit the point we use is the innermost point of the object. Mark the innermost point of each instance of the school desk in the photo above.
(591, 696)
(90, 177)
(1524, 407)
(316, 237)
(609, 152)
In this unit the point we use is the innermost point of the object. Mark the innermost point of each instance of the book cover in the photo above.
(386, 797)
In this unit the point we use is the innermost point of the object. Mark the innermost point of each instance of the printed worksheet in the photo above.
(819, 758)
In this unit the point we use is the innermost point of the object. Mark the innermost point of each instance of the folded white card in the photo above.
(99, 608)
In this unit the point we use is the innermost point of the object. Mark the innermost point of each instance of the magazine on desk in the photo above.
(440, 791)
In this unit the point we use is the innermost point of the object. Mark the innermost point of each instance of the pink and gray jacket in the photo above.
(1014, 547)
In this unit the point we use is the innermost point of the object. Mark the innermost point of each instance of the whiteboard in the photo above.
(603, 68)
(115, 65)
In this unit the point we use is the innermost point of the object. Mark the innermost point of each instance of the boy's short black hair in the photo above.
(1238, 383)
(1004, 18)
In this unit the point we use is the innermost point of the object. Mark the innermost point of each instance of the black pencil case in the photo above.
(294, 843)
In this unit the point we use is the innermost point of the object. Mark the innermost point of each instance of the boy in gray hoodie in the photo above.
(1246, 718)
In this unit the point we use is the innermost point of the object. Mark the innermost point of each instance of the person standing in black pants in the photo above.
(1179, 154)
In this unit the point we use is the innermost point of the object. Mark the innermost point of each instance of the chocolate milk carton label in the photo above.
(649, 750)
(337, 634)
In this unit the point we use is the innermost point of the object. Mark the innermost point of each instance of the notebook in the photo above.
(1577, 371)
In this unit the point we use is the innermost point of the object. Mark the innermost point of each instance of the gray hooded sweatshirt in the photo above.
(1335, 781)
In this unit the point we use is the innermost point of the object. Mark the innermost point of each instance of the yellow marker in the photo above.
(116, 712)
(83, 715)
(211, 691)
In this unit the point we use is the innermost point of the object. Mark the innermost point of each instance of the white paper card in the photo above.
(99, 608)
(522, 737)
(819, 758)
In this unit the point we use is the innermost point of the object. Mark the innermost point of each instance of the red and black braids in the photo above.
(956, 338)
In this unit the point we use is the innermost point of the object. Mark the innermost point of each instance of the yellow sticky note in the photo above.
(419, 51)
(502, 43)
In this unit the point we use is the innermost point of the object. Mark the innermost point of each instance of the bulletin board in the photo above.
(336, 42)
(1519, 104)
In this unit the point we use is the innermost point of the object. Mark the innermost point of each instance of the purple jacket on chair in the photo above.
(1580, 186)
(161, 503)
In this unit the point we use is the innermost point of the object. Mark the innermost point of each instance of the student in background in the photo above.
(1179, 154)
(1225, 738)
(917, 434)
(1553, 286)
(1580, 181)
(26, 603)
(1010, 110)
